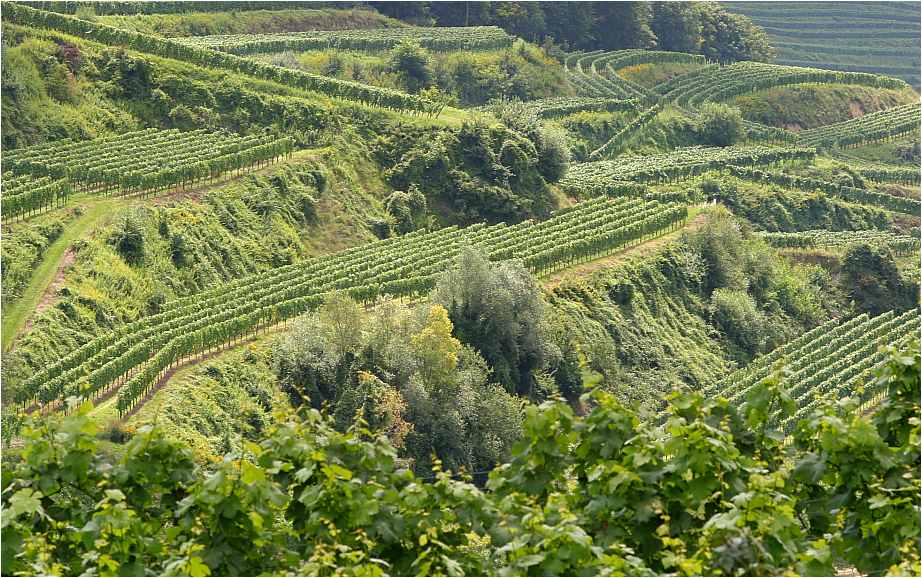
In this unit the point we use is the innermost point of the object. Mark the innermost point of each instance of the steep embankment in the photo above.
(685, 315)
(807, 106)
(151, 253)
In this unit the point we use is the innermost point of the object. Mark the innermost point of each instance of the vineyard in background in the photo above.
(549, 108)
(873, 127)
(851, 194)
(444, 39)
(822, 239)
(877, 37)
(721, 83)
(347, 90)
(611, 177)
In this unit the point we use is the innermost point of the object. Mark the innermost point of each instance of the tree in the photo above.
(872, 280)
(523, 19)
(435, 349)
(738, 317)
(128, 239)
(719, 124)
(727, 37)
(416, 12)
(623, 25)
(341, 318)
(408, 209)
(461, 13)
(498, 310)
(570, 23)
(412, 63)
(677, 26)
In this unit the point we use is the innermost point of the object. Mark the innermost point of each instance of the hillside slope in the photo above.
(878, 37)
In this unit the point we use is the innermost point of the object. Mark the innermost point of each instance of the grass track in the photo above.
(15, 314)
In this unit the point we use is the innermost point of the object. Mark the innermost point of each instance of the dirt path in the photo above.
(51, 291)
(640, 251)
(48, 276)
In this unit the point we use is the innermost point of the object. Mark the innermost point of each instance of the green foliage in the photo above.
(697, 497)
(677, 26)
(412, 64)
(872, 280)
(250, 226)
(128, 239)
(403, 372)
(670, 320)
(719, 125)
(217, 409)
(498, 310)
(263, 19)
(870, 469)
(728, 37)
(817, 105)
(775, 209)
(408, 209)
(735, 313)
(22, 250)
(479, 172)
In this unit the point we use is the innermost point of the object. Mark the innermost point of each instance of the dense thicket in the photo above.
(478, 172)
(701, 27)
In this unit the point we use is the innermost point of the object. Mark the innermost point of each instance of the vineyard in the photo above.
(721, 83)
(604, 177)
(25, 194)
(347, 90)
(833, 361)
(873, 127)
(847, 193)
(145, 161)
(877, 37)
(134, 356)
(821, 239)
(622, 137)
(593, 75)
(559, 107)
(458, 288)
(446, 39)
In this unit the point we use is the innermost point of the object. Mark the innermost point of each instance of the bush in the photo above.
(412, 63)
(872, 280)
(129, 240)
(720, 125)
(738, 317)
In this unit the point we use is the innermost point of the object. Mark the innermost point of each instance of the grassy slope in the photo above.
(90, 97)
(16, 313)
(808, 106)
(192, 371)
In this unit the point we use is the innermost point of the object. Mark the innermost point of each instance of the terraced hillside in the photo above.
(875, 37)
(457, 288)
